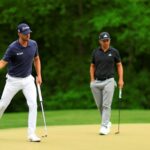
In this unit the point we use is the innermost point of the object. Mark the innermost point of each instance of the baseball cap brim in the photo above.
(107, 38)
(26, 31)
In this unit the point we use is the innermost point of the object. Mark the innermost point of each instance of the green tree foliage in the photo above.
(67, 32)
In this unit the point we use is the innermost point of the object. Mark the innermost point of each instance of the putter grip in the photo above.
(120, 93)
(39, 92)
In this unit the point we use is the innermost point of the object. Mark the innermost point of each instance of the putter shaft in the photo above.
(43, 114)
(119, 107)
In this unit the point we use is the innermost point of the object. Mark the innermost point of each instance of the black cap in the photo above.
(24, 28)
(104, 35)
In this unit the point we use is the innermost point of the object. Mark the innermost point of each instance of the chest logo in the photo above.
(21, 53)
(109, 54)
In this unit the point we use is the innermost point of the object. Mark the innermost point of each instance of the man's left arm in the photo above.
(120, 75)
(37, 65)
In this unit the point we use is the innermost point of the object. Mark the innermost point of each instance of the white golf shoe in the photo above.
(34, 138)
(104, 130)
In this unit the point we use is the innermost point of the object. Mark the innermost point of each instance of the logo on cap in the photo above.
(105, 36)
(25, 28)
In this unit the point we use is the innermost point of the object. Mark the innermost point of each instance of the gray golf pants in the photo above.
(103, 94)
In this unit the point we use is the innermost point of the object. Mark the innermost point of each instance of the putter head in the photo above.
(44, 135)
(117, 132)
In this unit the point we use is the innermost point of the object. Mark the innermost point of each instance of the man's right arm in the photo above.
(92, 71)
(3, 64)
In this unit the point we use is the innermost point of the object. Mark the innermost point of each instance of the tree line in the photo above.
(66, 33)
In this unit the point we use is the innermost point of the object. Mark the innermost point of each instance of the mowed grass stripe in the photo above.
(73, 117)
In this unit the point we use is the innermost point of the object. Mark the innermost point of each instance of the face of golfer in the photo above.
(105, 43)
(24, 37)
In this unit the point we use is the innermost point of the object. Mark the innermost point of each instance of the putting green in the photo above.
(79, 137)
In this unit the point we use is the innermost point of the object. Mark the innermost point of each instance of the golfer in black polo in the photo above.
(102, 68)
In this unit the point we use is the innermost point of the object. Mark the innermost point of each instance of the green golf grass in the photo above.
(73, 117)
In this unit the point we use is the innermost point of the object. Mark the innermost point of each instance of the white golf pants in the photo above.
(27, 85)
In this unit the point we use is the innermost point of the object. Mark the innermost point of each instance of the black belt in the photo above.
(104, 78)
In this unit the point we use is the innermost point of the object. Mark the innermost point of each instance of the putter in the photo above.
(43, 114)
(119, 107)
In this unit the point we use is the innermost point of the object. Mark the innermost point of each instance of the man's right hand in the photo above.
(3, 64)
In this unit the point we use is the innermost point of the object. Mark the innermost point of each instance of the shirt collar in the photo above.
(103, 51)
(29, 43)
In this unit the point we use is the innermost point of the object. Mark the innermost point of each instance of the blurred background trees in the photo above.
(67, 32)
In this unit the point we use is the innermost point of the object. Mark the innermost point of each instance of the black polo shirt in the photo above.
(105, 62)
(20, 58)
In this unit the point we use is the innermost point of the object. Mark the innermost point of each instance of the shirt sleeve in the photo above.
(7, 55)
(93, 57)
(117, 56)
(37, 51)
